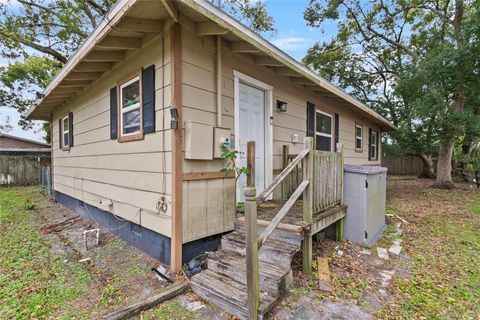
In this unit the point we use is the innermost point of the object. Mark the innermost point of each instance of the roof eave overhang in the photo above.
(113, 16)
(211, 12)
(229, 23)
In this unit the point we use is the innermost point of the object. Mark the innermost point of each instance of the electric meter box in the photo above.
(198, 137)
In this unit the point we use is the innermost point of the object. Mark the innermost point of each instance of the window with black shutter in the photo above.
(132, 106)
(323, 131)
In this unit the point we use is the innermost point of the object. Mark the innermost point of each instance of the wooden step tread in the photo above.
(270, 244)
(272, 278)
(238, 262)
(227, 293)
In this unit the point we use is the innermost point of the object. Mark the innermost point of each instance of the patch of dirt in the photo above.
(116, 274)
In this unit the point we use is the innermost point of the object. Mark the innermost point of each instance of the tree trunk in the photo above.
(427, 171)
(444, 166)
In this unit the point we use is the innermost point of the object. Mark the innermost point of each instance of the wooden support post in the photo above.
(308, 205)
(339, 230)
(251, 244)
(251, 163)
(177, 154)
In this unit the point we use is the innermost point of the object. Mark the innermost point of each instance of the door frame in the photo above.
(238, 78)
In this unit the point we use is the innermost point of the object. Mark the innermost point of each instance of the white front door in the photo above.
(251, 105)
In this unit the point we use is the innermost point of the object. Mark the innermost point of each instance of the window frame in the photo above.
(373, 145)
(331, 128)
(65, 146)
(138, 135)
(358, 126)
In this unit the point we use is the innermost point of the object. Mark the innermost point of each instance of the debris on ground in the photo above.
(57, 227)
(395, 249)
(366, 252)
(382, 253)
(192, 268)
(324, 274)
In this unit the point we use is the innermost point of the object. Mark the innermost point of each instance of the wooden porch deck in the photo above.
(293, 222)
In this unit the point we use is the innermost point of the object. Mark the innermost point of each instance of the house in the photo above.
(10, 143)
(21, 160)
(141, 111)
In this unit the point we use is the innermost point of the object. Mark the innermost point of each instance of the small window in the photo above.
(130, 106)
(358, 137)
(65, 132)
(323, 131)
(373, 145)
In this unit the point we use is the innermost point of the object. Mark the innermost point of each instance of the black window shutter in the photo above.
(337, 131)
(60, 133)
(369, 144)
(113, 113)
(148, 99)
(377, 145)
(70, 129)
(310, 119)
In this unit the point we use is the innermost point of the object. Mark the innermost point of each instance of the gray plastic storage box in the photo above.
(365, 195)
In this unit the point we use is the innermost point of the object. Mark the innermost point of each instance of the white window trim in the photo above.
(268, 89)
(65, 145)
(137, 105)
(373, 146)
(331, 128)
(357, 126)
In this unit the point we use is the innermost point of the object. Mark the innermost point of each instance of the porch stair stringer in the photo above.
(224, 283)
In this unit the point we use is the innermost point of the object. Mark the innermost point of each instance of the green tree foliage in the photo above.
(414, 61)
(37, 37)
(253, 13)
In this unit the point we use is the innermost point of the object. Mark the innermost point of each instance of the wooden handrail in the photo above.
(278, 179)
(281, 213)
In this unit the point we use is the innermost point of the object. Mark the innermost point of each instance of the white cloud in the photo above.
(292, 43)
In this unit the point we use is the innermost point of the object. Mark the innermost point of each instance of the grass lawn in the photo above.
(442, 240)
(440, 256)
(42, 275)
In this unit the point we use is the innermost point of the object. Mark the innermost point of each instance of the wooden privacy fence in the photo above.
(21, 169)
(408, 165)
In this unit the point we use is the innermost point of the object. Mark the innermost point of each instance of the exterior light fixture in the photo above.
(282, 106)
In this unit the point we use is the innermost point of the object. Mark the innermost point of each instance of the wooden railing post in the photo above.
(251, 243)
(308, 205)
(285, 184)
(251, 163)
(251, 240)
(339, 224)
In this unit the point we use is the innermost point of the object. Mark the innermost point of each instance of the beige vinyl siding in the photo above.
(201, 217)
(208, 205)
(131, 174)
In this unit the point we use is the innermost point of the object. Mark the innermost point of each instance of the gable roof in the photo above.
(58, 93)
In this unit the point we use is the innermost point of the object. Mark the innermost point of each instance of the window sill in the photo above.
(133, 137)
(65, 148)
(359, 150)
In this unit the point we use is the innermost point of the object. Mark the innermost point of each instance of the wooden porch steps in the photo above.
(224, 282)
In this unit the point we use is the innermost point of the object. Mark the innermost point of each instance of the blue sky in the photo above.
(293, 36)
